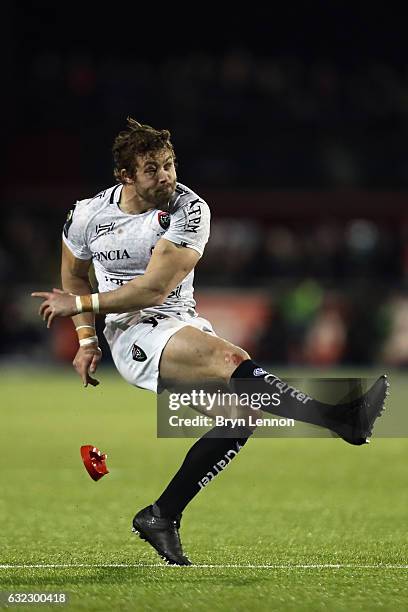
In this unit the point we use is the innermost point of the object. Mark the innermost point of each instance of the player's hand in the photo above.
(85, 363)
(56, 304)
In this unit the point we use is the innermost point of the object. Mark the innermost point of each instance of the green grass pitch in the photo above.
(291, 524)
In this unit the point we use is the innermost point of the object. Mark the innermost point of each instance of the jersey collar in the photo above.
(115, 195)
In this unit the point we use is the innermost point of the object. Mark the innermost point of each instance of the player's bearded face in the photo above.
(156, 178)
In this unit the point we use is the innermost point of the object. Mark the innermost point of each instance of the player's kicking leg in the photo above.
(192, 356)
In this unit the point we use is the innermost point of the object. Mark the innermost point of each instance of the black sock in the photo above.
(206, 458)
(251, 378)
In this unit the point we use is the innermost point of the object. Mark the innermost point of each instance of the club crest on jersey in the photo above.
(138, 354)
(163, 218)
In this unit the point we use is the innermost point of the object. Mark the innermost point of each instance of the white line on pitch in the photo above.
(198, 566)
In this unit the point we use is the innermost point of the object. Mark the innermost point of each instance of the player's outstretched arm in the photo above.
(168, 266)
(75, 280)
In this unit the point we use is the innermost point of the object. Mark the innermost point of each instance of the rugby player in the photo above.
(144, 237)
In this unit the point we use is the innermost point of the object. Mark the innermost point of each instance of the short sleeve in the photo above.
(74, 232)
(190, 225)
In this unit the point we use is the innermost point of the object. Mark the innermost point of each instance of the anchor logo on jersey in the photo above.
(163, 218)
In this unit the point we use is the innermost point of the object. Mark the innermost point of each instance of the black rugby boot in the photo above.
(161, 533)
(359, 416)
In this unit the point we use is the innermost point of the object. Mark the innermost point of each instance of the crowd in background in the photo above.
(321, 108)
(252, 252)
(336, 290)
(238, 119)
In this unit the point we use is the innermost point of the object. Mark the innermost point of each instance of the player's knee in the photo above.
(235, 356)
(228, 358)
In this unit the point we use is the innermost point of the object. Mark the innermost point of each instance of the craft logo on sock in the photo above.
(259, 372)
(138, 354)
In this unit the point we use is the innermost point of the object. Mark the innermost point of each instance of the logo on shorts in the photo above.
(164, 219)
(138, 354)
(259, 372)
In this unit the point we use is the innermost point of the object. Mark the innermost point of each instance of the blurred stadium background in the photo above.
(293, 124)
(298, 142)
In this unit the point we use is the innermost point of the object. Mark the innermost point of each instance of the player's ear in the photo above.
(125, 178)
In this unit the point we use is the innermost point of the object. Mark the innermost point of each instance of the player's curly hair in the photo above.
(137, 139)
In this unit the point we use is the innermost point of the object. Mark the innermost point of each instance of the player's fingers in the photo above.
(42, 308)
(94, 363)
(58, 290)
(41, 294)
(46, 312)
(81, 368)
(50, 318)
(84, 376)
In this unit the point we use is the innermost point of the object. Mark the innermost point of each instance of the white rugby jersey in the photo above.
(120, 244)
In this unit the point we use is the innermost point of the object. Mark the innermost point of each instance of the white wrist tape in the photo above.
(82, 327)
(87, 341)
(95, 302)
(78, 303)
